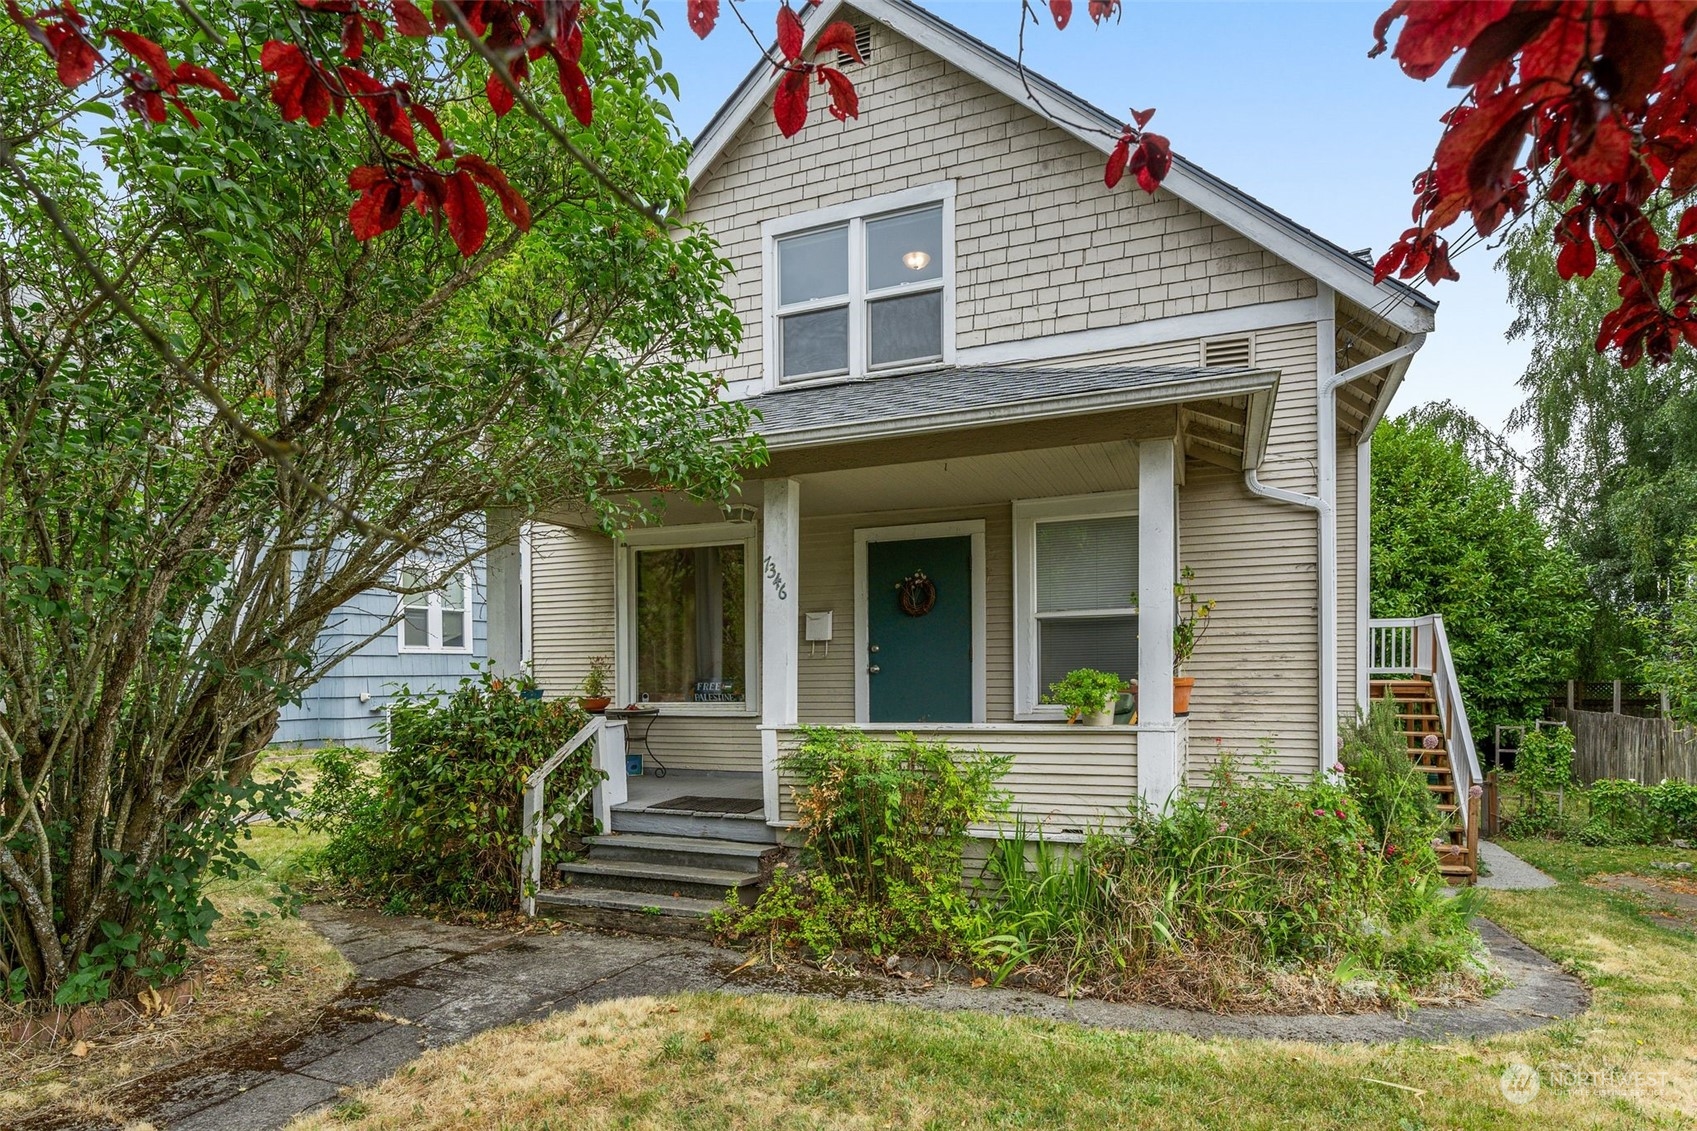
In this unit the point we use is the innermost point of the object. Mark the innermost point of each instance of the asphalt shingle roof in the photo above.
(914, 396)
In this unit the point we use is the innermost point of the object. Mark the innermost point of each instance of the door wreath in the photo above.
(917, 593)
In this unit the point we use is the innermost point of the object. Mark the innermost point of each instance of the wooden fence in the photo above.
(1624, 746)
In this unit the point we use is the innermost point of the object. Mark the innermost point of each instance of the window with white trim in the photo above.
(434, 620)
(688, 618)
(1075, 565)
(865, 289)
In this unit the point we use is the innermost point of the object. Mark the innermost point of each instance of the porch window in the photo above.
(1075, 599)
(691, 630)
(862, 288)
(436, 620)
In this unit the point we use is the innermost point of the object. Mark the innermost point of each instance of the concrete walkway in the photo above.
(1509, 872)
(424, 984)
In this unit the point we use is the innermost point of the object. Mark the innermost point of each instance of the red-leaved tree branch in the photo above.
(324, 67)
(1589, 106)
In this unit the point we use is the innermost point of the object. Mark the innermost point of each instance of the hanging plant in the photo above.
(917, 593)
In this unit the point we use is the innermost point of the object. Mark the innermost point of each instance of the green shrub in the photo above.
(1626, 812)
(885, 824)
(1543, 771)
(439, 823)
(1385, 782)
(1231, 884)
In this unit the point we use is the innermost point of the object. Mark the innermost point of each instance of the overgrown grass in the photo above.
(263, 972)
(770, 1063)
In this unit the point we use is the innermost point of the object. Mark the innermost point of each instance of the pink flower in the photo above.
(1340, 814)
(1337, 767)
(1319, 812)
(1475, 790)
(1431, 742)
(1222, 826)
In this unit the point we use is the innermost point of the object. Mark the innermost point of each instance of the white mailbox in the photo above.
(818, 627)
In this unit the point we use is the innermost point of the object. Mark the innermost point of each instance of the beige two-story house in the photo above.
(1005, 406)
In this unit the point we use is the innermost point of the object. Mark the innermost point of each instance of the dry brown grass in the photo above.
(270, 975)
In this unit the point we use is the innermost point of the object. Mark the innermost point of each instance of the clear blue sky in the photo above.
(1279, 99)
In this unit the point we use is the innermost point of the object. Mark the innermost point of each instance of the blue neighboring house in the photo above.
(431, 649)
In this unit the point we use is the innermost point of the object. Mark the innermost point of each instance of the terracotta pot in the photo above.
(597, 705)
(1181, 693)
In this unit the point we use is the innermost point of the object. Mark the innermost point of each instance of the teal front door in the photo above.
(919, 658)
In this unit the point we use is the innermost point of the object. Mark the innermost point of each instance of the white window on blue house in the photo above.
(862, 288)
(434, 620)
(1075, 605)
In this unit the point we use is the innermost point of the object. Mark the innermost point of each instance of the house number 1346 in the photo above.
(777, 579)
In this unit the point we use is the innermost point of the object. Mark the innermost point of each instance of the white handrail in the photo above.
(609, 747)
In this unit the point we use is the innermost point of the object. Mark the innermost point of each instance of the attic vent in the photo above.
(862, 43)
(1221, 352)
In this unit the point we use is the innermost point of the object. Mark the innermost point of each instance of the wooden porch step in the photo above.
(640, 913)
(697, 852)
(647, 878)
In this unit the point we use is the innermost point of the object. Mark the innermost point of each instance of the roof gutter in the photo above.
(1324, 505)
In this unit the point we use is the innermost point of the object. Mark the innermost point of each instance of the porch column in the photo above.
(780, 628)
(503, 581)
(1159, 770)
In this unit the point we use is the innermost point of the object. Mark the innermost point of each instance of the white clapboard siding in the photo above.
(1065, 780)
(571, 598)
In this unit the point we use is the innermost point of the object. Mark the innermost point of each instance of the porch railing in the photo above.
(606, 789)
(1419, 646)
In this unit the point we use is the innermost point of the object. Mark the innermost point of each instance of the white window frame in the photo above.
(691, 536)
(855, 214)
(1027, 513)
(433, 618)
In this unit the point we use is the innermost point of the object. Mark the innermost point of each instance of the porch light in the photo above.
(739, 512)
(916, 260)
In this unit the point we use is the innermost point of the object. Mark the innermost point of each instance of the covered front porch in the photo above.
(934, 582)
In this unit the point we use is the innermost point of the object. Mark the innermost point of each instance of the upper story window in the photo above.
(437, 620)
(862, 288)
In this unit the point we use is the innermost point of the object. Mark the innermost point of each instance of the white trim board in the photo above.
(973, 528)
(1157, 331)
(1396, 303)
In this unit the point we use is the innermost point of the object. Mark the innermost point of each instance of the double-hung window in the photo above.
(687, 617)
(434, 620)
(1075, 602)
(862, 289)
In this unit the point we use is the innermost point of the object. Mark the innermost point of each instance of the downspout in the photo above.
(1324, 504)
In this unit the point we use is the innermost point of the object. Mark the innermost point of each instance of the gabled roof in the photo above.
(957, 397)
(1399, 304)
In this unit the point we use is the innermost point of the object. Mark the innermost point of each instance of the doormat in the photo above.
(693, 804)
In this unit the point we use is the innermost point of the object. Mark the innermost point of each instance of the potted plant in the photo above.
(1088, 696)
(1193, 614)
(597, 685)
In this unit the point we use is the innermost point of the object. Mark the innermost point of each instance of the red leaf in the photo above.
(1102, 9)
(1117, 160)
(575, 86)
(1390, 261)
(1062, 11)
(381, 205)
(148, 53)
(845, 102)
(409, 21)
(1688, 223)
(382, 104)
(1603, 155)
(188, 74)
(838, 37)
(1151, 162)
(353, 37)
(499, 94)
(789, 33)
(1141, 117)
(789, 103)
(468, 220)
(496, 181)
(703, 14)
(426, 117)
(299, 89)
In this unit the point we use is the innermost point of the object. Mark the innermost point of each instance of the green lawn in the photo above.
(708, 1061)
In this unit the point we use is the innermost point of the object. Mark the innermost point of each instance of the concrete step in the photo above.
(695, 852)
(750, 828)
(681, 880)
(640, 913)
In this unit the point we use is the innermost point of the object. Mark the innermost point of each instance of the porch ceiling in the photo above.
(1078, 469)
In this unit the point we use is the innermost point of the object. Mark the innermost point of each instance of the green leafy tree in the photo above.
(223, 414)
(1614, 459)
(1670, 664)
(1449, 537)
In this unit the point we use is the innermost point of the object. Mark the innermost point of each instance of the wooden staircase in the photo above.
(1423, 729)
